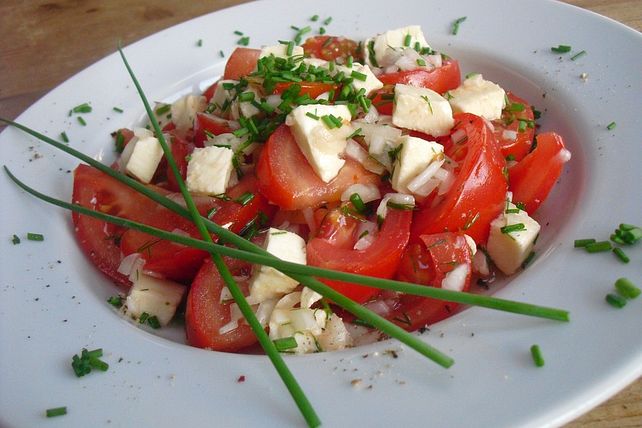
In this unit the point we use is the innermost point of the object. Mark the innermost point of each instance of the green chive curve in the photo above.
(292, 385)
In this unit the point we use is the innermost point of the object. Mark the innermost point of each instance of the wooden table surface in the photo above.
(42, 43)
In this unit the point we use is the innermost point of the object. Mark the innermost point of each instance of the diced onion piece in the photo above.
(308, 215)
(447, 179)
(427, 188)
(423, 177)
(130, 264)
(289, 300)
(458, 137)
(480, 263)
(324, 96)
(564, 155)
(396, 198)
(264, 311)
(226, 295)
(509, 134)
(435, 60)
(372, 116)
(455, 280)
(367, 192)
(489, 124)
(335, 336)
(379, 307)
(358, 153)
(368, 233)
(471, 244)
(235, 315)
(309, 297)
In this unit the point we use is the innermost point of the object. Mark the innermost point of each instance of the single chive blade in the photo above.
(538, 358)
(581, 243)
(621, 255)
(615, 300)
(56, 411)
(626, 288)
(598, 247)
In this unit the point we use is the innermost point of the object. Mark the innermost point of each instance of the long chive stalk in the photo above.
(298, 269)
(248, 247)
(288, 378)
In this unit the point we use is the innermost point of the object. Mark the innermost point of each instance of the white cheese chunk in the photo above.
(478, 96)
(209, 170)
(144, 159)
(383, 45)
(422, 109)
(509, 250)
(184, 110)
(413, 158)
(370, 84)
(321, 146)
(280, 51)
(267, 282)
(154, 296)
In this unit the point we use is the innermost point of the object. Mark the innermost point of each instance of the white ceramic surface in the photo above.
(52, 302)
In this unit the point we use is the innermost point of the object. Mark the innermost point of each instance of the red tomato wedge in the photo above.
(174, 261)
(517, 110)
(312, 89)
(380, 259)
(205, 314)
(428, 262)
(287, 179)
(331, 48)
(479, 192)
(532, 179)
(204, 123)
(180, 150)
(440, 80)
(241, 63)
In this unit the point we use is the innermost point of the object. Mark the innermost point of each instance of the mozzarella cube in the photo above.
(280, 51)
(478, 96)
(413, 158)
(370, 84)
(209, 170)
(267, 282)
(154, 296)
(422, 109)
(184, 110)
(223, 96)
(509, 250)
(144, 159)
(321, 146)
(377, 49)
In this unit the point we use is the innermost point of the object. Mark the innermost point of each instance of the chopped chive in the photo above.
(87, 360)
(620, 254)
(245, 198)
(610, 126)
(314, 18)
(561, 49)
(358, 203)
(56, 411)
(513, 228)
(516, 107)
(529, 259)
(285, 343)
(356, 133)
(82, 121)
(421, 62)
(626, 288)
(359, 76)
(362, 323)
(238, 33)
(598, 247)
(162, 109)
(349, 61)
(631, 236)
(328, 121)
(615, 300)
(63, 137)
(243, 41)
(15, 240)
(472, 74)
(35, 237)
(199, 43)
(581, 243)
(221, 54)
(625, 226)
(82, 108)
(246, 97)
(522, 126)
(117, 109)
(455, 26)
(116, 301)
(510, 157)
(322, 30)
(153, 322)
(312, 115)
(327, 21)
(538, 358)
(406, 40)
(577, 55)
(290, 48)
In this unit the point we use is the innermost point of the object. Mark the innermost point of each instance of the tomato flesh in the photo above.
(510, 121)
(331, 48)
(241, 63)
(478, 193)
(532, 179)
(287, 179)
(206, 123)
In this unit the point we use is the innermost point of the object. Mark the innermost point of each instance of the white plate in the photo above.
(52, 302)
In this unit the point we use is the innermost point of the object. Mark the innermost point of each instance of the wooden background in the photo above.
(58, 38)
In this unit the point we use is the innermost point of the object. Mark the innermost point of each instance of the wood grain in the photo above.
(58, 38)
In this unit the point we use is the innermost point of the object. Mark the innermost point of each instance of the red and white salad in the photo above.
(372, 157)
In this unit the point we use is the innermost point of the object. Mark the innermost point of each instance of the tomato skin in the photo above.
(428, 262)
(205, 314)
(338, 47)
(380, 259)
(519, 147)
(479, 190)
(532, 179)
(180, 150)
(210, 123)
(287, 179)
(208, 93)
(440, 80)
(241, 63)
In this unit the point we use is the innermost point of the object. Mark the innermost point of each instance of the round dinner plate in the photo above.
(53, 302)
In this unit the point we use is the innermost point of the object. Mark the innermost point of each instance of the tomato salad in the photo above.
(369, 157)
